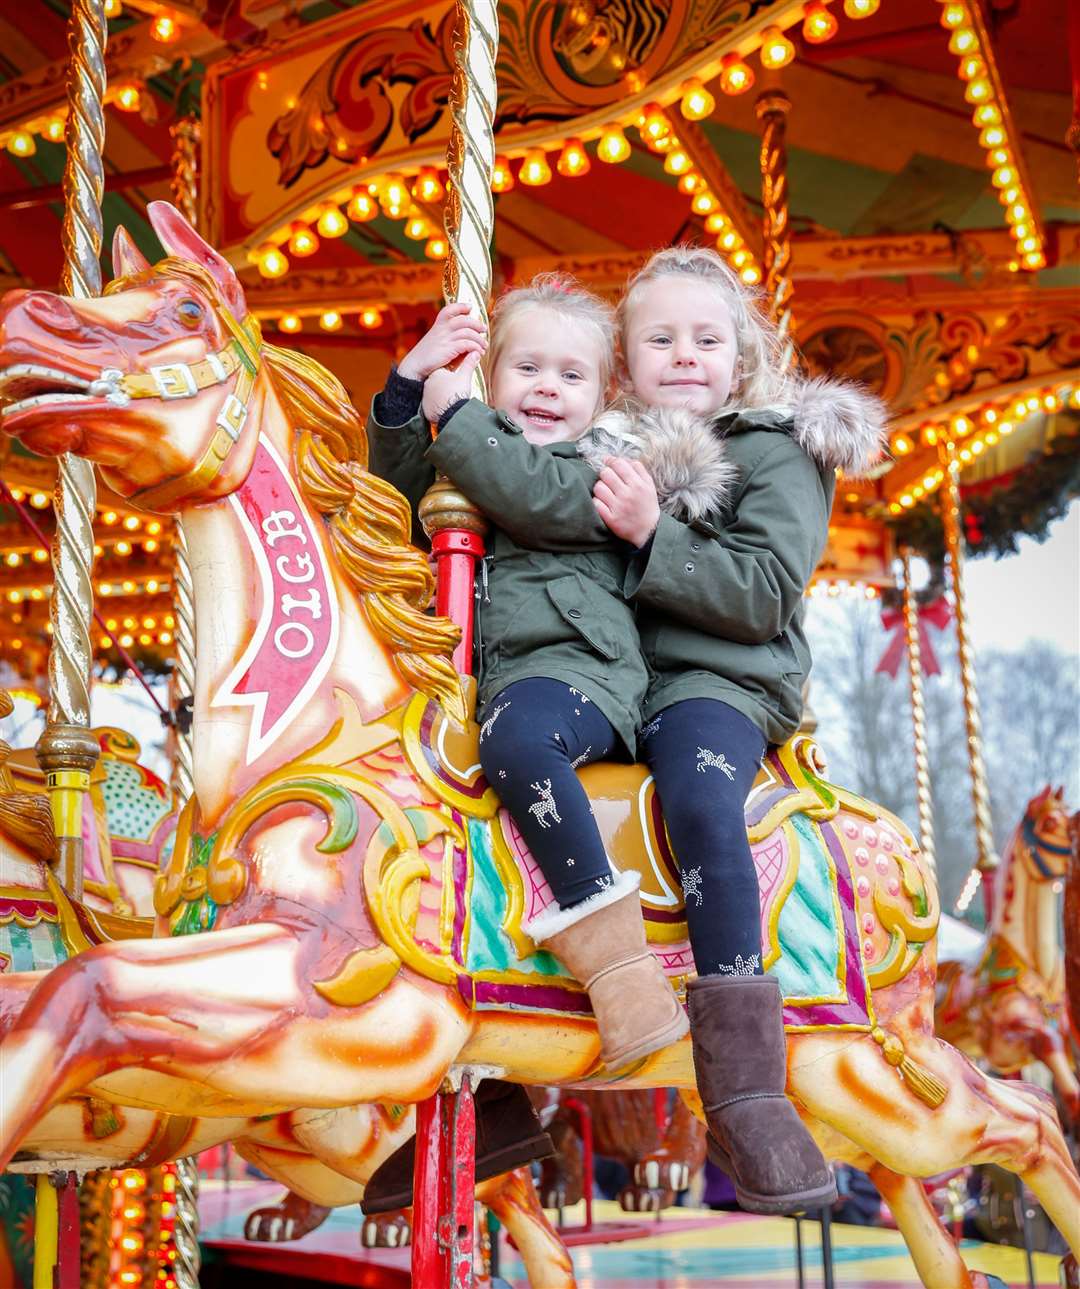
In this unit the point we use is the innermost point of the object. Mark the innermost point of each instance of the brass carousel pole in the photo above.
(923, 792)
(186, 138)
(443, 1198)
(987, 860)
(772, 108)
(67, 751)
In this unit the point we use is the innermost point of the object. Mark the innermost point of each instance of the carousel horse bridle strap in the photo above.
(181, 380)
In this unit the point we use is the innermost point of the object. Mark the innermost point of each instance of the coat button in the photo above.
(573, 613)
(493, 442)
(689, 567)
(695, 546)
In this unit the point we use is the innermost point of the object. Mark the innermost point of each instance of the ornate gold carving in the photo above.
(444, 506)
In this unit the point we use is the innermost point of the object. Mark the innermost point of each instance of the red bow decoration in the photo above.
(938, 614)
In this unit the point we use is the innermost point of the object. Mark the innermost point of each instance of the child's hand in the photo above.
(625, 499)
(445, 387)
(453, 334)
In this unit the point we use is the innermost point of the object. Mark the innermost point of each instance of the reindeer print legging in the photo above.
(704, 756)
(533, 735)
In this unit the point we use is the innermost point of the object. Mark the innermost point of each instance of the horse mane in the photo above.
(367, 518)
(25, 817)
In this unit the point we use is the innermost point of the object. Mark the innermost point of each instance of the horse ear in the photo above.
(127, 259)
(180, 239)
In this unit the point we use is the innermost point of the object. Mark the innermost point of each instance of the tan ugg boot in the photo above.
(602, 943)
(755, 1134)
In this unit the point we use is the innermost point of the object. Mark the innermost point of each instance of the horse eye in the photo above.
(190, 312)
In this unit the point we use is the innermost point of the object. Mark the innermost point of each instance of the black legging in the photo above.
(704, 755)
(532, 736)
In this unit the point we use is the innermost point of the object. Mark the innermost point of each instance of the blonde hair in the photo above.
(764, 379)
(563, 295)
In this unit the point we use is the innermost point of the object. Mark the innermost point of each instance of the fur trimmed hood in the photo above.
(679, 449)
(836, 423)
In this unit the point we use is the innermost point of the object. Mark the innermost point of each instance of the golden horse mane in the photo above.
(25, 817)
(368, 519)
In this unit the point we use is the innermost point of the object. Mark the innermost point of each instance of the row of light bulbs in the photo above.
(370, 318)
(834, 588)
(22, 141)
(974, 434)
(994, 134)
(396, 198)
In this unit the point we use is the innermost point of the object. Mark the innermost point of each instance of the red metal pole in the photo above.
(584, 1115)
(428, 1264)
(456, 551)
(68, 1271)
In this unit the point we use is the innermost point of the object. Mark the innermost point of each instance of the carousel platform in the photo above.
(685, 1248)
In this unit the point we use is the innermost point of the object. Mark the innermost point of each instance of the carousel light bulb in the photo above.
(999, 157)
(717, 222)
(971, 67)
(993, 136)
(861, 8)
(428, 186)
(150, 546)
(395, 194)
(728, 241)
(751, 275)
(290, 322)
(704, 203)
(1036, 260)
(362, 206)
(1016, 213)
(128, 98)
(332, 223)
(955, 15)
(653, 124)
(330, 320)
(963, 40)
(1028, 244)
(573, 160)
(696, 103)
(41, 555)
(21, 144)
(502, 177)
(535, 171)
(978, 90)
(1008, 196)
(736, 76)
(677, 162)
(901, 444)
(370, 318)
(690, 183)
(986, 114)
(271, 261)
(302, 241)
(165, 637)
(131, 522)
(819, 24)
(1003, 176)
(436, 248)
(54, 129)
(613, 146)
(740, 257)
(165, 28)
(113, 8)
(417, 229)
(776, 50)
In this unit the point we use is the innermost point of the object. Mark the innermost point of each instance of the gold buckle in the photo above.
(174, 380)
(232, 416)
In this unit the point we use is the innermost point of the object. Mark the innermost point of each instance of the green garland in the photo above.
(1025, 506)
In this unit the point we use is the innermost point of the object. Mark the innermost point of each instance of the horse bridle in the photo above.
(172, 381)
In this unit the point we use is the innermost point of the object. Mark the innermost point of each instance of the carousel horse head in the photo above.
(1042, 841)
(158, 381)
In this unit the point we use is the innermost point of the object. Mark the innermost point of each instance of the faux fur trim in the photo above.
(679, 449)
(555, 919)
(837, 423)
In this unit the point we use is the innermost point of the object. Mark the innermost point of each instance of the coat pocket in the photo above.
(576, 606)
(790, 676)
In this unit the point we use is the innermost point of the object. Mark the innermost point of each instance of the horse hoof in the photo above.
(661, 1174)
(645, 1199)
(289, 1220)
(386, 1231)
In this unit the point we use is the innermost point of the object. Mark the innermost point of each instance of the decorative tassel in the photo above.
(926, 1085)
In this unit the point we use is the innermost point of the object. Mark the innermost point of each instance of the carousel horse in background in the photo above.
(340, 919)
(1071, 925)
(1009, 1007)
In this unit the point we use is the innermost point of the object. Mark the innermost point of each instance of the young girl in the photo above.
(561, 676)
(719, 598)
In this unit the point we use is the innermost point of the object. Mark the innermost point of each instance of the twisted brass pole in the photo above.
(772, 108)
(67, 750)
(950, 514)
(923, 793)
(186, 1231)
(186, 134)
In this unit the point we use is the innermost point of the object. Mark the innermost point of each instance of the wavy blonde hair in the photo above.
(764, 379)
(568, 299)
(367, 518)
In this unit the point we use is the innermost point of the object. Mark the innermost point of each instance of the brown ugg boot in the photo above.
(602, 943)
(755, 1134)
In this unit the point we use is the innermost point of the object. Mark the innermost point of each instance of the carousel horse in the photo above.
(1009, 1008)
(357, 891)
(1071, 927)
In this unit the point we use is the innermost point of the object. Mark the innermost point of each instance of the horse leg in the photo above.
(513, 1200)
(937, 1259)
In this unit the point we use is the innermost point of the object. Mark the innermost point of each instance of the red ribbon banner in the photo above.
(937, 614)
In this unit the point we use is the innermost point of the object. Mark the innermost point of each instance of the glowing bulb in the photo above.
(165, 28)
(819, 24)
(613, 146)
(690, 183)
(704, 203)
(395, 195)
(131, 522)
(54, 129)
(978, 90)
(361, 207)
(999, 157)
(963, 41)
(417, 229)
(573, 160)
(728, 241)
(21, 144)
(302, 241)
(1036, 260)
(776, 50)
(992, 137)
(330, 320)
(987, 114)
(502, 177)
(971, 67)
(653, 123)
(113, 8)
(1003, 176)
(39, 500)
(436, 248)
(332, 223)
(1028, 244)
(861, 8)
(290, 322)
(428, 186)
(697, 103)
(1016, 213)
(535, 170)
(370, 318)
(677, 162)
(751, 275)
(717, 222)
(271, 261)
(955, 15)
(901, 444)
(736, 77)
